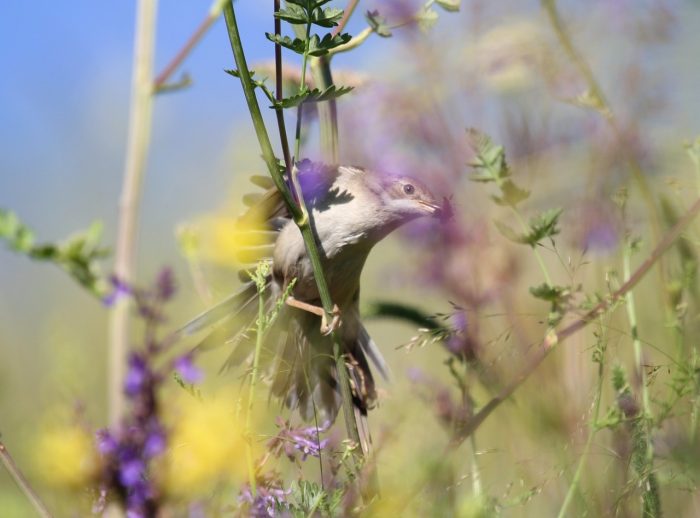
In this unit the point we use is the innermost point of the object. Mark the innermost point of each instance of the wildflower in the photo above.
(303, 440)
(270, 498)
(165, 285)
(65, 456)
(205, 446)
(120, 289)
(189, 372)
(137, 375)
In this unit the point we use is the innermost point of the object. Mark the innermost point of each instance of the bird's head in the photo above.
(409, 198)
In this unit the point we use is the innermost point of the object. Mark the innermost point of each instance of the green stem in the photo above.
(589, 442)
(256, 115)
(540, 261)
(22, 482)
(253, 382)
(327, 111)
(299, 214)
(302, 89)
(596, 92)
(552, 339)
(637, 345)
(279, 95)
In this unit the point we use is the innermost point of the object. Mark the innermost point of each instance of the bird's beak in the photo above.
(432, 209)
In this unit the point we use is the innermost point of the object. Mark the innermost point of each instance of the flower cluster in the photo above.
(293, 441)
(128, 449)
(269, 499)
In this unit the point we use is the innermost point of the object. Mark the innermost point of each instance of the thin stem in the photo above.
(540, 261)
(22, 482)
(552, 339)
(327, 111)
(592, 430)
(476, 474)
(182, 54)
(355, 42)
(302, 89)
(253, 383)
(140, 118)
(298, 213)
(349, 9)
(279, 95)
(596, 92)
(638, 353)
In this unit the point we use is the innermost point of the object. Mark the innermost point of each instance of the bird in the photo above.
(352, 209)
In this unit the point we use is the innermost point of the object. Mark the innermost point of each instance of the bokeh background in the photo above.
(496, 66)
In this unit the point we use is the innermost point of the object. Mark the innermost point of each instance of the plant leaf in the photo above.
(297, 44)
(320, 46)
(315, 95)
(449, 5)
(378, 24)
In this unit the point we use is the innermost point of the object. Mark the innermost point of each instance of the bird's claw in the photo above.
(326, 328)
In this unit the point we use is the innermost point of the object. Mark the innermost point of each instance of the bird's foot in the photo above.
(326, 328)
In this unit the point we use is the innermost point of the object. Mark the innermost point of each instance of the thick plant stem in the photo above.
(298, 213)
(22, 482)
(256, 115)
(139, 136)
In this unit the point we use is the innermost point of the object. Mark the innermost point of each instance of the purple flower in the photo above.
(165, 284)
(131, 472)
(119, 289)
(188, 370)
(106, 443)
(303, 440)
(137, 375)
(268, 501)
(155, 443)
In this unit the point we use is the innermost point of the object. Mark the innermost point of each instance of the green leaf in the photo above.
(328, 17)
(293, 14)
(489, 159)
(509, 233)
(18, 236)
(449, 5)
(540, 227)
(549, 293)
(320, 46)
(315, 95)
(297, 44)
(511, 194)
(78, 256)
(378, 24)
(543, 226)
(256, 83)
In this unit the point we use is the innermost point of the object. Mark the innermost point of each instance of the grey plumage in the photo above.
(352, 210)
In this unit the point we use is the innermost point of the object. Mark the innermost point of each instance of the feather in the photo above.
(228, 307)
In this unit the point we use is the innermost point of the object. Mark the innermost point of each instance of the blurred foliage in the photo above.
(78, 256)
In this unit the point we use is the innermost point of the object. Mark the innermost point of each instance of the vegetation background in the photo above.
(496, 66)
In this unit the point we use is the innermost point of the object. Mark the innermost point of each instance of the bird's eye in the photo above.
(409, 189)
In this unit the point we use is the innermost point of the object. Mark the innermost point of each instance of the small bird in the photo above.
(352, 210)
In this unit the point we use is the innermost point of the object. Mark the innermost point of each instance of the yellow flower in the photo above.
(206, 445)
(65, 456)
(227, 241)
